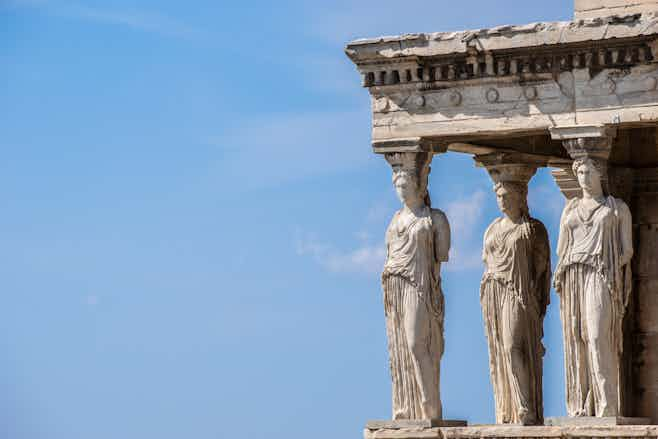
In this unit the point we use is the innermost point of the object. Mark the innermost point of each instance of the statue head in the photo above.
(512, 198)
(407, 187)
(510, 175)
(590, 172)
(410, 172)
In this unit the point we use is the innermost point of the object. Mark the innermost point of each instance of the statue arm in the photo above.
(542, 265)
(441, 235)
(626, 232)
(484, 240)
(563, 238)
(389, 231)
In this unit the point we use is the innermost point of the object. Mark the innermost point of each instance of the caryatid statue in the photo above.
(514, 294)
(417, 241)
(593, 281)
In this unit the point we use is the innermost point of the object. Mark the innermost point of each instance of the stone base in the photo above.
(412, 423)
(516, 432)
(592, 421)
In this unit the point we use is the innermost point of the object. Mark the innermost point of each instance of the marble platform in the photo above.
(412, 423)
(515, 431)
(589, 421)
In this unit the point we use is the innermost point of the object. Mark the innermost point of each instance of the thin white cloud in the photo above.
(368, 259)
(133, 19)
(464, 214)
(465, 217)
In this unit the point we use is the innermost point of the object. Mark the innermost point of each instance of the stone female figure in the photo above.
(593, 281)
(514, 294)
(417, 241)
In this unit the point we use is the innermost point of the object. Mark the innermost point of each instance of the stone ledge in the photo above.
(529, 36)
(412, 423)
(592, 421)
(584, 9)
(516, 431)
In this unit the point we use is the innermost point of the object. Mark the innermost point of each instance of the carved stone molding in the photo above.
(510, 167)
(412, 144)
(567, 132)
(512, 80)
(522, 51)
(566, 181)
(588, 147)
(585, 141)
(426, 74)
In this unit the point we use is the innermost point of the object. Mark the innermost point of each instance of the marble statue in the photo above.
(593, 281)
(514, 294)
(417, 241)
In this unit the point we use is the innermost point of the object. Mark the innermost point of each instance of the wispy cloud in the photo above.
(465, 217)
(364, 258)
(365, 255)
(133, 19)
(464, 214)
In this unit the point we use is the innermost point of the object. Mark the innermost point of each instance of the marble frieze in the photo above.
(511, 78)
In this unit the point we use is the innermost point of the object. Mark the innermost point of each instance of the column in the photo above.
(593, 276)
(637, 185)
(417, 242)
(515, 291)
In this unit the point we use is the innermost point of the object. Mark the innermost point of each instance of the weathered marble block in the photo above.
(593, 421)
(507, 432)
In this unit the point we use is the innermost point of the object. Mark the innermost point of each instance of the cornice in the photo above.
(427, 61)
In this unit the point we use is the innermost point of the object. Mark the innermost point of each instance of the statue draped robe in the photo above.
(514, 295)
(593, 281)
(413, 303)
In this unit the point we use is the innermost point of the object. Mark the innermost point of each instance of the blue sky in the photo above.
(192, 221)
